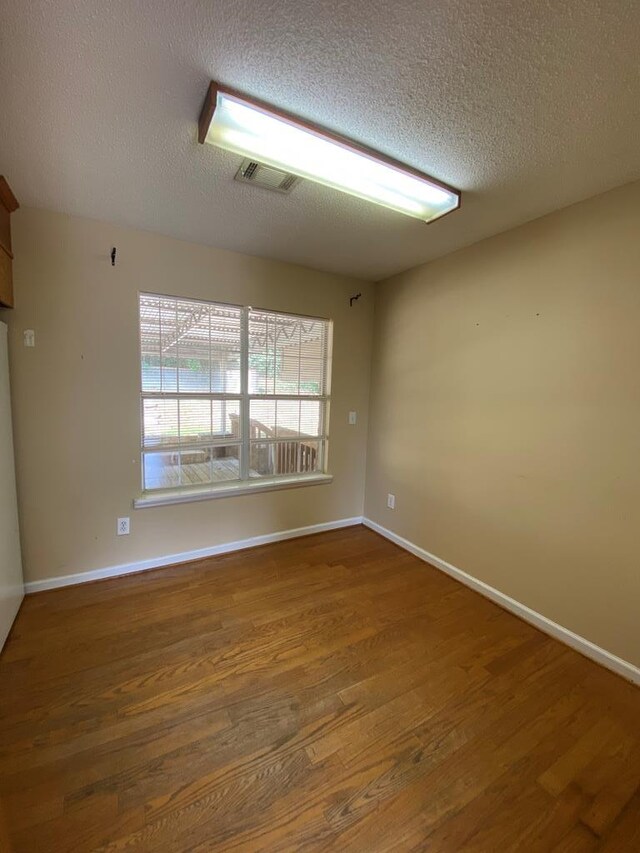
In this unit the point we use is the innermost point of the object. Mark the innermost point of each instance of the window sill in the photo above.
(244, 487)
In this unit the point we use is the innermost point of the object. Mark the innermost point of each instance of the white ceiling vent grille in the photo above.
(252, 172)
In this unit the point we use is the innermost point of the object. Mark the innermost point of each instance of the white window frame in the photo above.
(245, 485)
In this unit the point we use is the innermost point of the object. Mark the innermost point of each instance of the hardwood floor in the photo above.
(326, 693)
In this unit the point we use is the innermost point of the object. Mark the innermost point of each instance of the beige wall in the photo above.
(76, 403)
(505, 414)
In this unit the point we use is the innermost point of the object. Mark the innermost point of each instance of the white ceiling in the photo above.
(525, 105)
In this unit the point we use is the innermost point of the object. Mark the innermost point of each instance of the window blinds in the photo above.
(230, 393)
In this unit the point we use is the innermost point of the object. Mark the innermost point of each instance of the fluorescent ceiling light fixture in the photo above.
(260, 132)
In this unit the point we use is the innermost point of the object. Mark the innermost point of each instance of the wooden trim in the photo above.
(8, 203)
(6, 280)
(7, 198)
(208, 110)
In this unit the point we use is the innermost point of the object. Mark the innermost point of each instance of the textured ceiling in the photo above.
(525, 106)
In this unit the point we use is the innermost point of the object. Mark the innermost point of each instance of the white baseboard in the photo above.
(586, 647)
(186, 556)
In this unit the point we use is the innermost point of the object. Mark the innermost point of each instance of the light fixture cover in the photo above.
(252, 129)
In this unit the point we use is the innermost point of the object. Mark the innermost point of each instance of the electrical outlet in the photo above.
(353, 417)
(391, 501)
(123, 527)
(29, 337)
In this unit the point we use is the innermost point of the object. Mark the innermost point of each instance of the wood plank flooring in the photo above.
(326, 693)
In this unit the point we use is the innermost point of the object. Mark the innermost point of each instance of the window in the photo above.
(233, 399)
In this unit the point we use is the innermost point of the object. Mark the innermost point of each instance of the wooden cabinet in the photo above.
(8, 204)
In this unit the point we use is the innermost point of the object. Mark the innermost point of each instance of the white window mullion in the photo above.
(177, 453)
(142, 454)
(210, 355)
(160, 353)
(211, 408)
(299, 359)
(245, 413)
(177, 352)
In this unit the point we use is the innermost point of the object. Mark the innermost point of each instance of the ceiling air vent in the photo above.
(252, 172)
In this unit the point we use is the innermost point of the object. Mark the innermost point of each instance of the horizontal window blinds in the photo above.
(230, 393)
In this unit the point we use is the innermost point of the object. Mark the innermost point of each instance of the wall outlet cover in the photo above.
(391, 501)
(123, 527)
